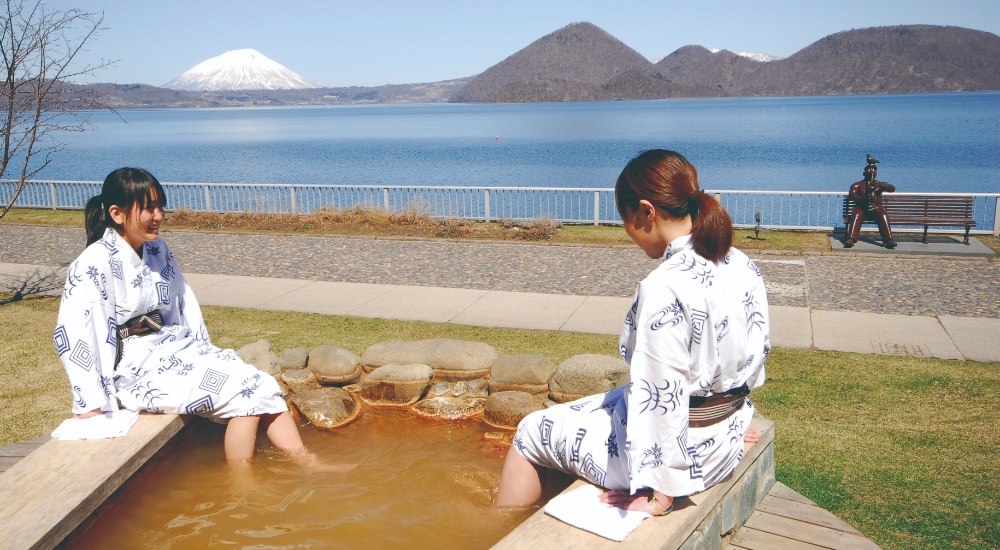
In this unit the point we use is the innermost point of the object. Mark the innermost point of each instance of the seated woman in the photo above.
(130, 332)
(696, 339)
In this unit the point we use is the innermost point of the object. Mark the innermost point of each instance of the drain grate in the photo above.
(906, 350)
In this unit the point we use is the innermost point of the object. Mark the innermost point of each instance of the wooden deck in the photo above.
(786, 520)
(12, 454)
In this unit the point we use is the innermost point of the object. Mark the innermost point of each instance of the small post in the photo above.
(292, 189)
(52, 188)
(597, 208)
(385, 198)
(208, 199)
(996, 218)
(486, 201)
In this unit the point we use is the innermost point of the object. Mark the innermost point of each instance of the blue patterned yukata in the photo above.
(695, 328)
(175, 370)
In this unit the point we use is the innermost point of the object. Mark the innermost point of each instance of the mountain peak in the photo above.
(245, 69)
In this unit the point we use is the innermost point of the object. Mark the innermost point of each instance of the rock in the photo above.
(452, 360)
(327, 407)
(395, 385)
(450, 408)
(479, 388)
(299, 380)
(334, 365)
(583, 375)
(460, 388)
(440, 388)
(527, 373)
(292, 359)
(506, 408)
(259, 354)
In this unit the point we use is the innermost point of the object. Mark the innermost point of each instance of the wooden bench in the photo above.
(925, 210)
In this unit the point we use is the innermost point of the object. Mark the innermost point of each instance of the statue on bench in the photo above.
(867, 196)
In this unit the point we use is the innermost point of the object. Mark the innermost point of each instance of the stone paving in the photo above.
(907, 285)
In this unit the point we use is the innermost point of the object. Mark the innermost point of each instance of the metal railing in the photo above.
(812, 210)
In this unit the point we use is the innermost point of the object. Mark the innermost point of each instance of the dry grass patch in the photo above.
(34, 389)
(365, 221)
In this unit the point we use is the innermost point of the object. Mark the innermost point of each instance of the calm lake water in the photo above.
(926, 142)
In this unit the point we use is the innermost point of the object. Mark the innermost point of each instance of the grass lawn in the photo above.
(901, 448)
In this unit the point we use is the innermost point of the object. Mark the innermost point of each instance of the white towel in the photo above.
(580, 508)
(102, 426)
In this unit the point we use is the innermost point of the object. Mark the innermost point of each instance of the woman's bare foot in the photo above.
(311, 462)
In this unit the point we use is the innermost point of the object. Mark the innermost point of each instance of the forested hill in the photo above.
(581, 62)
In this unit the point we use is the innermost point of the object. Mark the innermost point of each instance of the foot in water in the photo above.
(311, 462)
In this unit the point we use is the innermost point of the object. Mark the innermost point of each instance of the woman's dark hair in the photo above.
(125, 188)
(668, 181)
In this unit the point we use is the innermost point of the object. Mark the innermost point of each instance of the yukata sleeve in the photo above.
(187, 311)
(86, 335)
(657, 430)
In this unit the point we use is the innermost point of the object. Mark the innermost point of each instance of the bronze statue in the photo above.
(867, 195)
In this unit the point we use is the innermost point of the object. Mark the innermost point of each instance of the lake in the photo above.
(926, 142)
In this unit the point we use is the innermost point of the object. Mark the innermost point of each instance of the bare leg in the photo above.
(284, 434)
(520, 482)
(241, 437)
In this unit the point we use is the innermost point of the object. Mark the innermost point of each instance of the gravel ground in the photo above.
(908, 285)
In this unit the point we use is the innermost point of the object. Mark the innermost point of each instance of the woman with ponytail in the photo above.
(130, 332)
(696, 339)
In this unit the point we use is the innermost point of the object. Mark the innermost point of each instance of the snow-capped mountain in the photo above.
(756, 56)
(239, 70)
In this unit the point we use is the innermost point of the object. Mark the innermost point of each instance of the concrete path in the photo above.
(941, 336)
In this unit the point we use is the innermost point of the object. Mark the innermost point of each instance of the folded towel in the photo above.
(102, 426)
(580, 508)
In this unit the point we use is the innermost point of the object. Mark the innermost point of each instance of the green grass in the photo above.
(901, 448)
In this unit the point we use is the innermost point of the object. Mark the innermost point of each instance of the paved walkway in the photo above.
(868, 301)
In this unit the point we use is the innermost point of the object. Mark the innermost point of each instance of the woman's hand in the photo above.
(637, 502)
(752, 436)
(88, 414)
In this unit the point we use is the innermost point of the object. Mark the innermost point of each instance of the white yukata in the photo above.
(176, 370)
(696, 328)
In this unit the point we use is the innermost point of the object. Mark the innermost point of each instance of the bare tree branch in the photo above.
(38, 47)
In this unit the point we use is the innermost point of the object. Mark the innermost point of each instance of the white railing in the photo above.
(814, 210)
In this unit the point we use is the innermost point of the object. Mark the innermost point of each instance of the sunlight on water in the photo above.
(926, 142)
(421, 483)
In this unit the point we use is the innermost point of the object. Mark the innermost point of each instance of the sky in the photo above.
(352, 43)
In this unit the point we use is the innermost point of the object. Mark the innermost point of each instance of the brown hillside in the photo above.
(581, 62)
(900, 59)
(694, 66)
(572, 64)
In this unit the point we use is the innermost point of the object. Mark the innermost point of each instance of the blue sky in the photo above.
(356, 43)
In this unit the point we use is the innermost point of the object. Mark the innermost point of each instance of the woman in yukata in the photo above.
(130, 332)
(695, 338)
